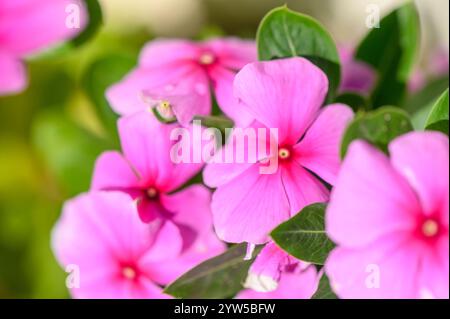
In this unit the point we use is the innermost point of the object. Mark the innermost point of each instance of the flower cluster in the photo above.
(149, 218)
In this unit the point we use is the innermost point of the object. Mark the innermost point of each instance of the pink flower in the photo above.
(177, 74)
(27, 27)
(112, 254)
(276, 275)
(356, 76)
(389, 217)
(147, 173)
(284, 94)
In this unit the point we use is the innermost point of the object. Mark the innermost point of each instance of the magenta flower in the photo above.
(174, 77)
(112, 254)
(356, 76)
(276, 275)
(284, 94)
(389, 217)
(147, 173)
(27, 27)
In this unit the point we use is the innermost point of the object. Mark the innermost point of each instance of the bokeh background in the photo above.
(51, 134)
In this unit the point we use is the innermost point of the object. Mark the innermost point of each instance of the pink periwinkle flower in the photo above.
(30, 26)
(285, 94)
(110, 253)
(356, 76)
(147, 173)
(389, 218)
(276, 275)
(174, 76)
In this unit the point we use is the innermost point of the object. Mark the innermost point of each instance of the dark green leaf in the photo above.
(378, 127)
(95, 21)
(219, 277)
(392, 50)
(355, 101)
(438, 118)
(324, 290)
(304, 236)
(285, 33)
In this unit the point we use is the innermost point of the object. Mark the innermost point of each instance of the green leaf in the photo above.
(438, 118)
(285, 33)
(100, 75)
(304, 236)
(95, 21)
(355, 101)
(324, 290)
(68, 151)
(426, 96)
(378, 127)
(392, 50)
(219, 277)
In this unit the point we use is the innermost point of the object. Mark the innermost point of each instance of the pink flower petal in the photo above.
(222, 80)
(14, 77)
(249, 207)
(302, 188)
(237, 156)
(127, 97)
(284, 94)
(96, 234)
(28, 26)
(266, 270)
(422, 158)
(297, 285)
(319, 149)
(112, 171)
(146, 144)
(191, 208)
(384, 269)
(233, 53)
(434, 275)
(369, 199)
(163, 53)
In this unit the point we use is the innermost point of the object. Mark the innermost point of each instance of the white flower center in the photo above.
(284, 153)
(430, 228)
(129, 273)
(207, 58)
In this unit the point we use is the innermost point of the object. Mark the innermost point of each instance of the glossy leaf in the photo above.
(438, 118)
(392, 50)
(324, 290)
(378, 127)
(285, 33)
(304, 236)
(219, 277)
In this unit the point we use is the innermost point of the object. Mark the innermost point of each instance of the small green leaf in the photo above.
(438, 118)
(304, 236)
(285, 33)
(392, 50)
(219, 277)
(378, 127)
(324, 290)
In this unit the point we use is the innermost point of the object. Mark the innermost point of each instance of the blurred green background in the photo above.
(51, 134)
